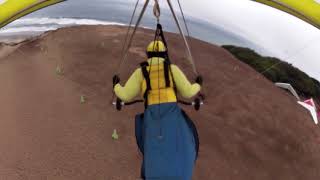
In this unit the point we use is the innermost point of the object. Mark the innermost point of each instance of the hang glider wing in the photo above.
(310, 106)
(307, 10)
(289, 88)
(10, 10)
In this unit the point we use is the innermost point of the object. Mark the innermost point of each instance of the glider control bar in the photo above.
(197, 103)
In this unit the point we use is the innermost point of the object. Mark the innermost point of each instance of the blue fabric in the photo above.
(139, 131)
(167, 143)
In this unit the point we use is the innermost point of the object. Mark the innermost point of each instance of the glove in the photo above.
(115, 80)
(199, 80)
(202, 96)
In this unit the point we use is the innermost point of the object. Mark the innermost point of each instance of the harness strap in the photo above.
(159, 27)
(167, 62)
(157, 54)
(166, 68)
(145, 73)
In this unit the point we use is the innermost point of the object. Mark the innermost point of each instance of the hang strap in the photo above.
(157, 54)
(167, 62)
(166, 68)
(161, 34)
(145, 73)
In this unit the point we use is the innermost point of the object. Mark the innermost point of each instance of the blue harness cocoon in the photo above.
(169, 142)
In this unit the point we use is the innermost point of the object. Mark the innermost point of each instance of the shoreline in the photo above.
(23, 29)
(16, 38)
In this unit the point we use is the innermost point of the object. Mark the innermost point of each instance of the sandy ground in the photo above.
(249, 129)
(6, 50)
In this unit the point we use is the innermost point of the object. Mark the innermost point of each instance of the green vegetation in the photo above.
(278, 71)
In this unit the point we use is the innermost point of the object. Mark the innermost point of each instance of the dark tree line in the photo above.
(278, 71)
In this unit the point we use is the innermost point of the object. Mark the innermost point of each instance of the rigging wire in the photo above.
(188, 33)
(157, 14)
(125, 44)
(156, 11)
(190, 58)
(126, 52)
(128, 31)
(184, 19)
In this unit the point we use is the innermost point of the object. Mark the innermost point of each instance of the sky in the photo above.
(283, 35)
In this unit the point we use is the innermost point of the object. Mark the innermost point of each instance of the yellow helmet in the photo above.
(156, 46)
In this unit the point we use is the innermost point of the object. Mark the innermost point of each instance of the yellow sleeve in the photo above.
(184, 87)
(132, 87)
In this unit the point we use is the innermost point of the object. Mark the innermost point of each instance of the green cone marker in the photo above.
(115, 136)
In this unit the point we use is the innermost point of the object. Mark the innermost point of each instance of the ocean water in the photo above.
(113, 12)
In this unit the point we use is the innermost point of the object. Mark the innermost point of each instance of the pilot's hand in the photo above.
(115, 80)
(199, 80)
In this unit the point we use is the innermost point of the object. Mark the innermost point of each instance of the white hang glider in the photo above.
(310, 105)
(289, 88)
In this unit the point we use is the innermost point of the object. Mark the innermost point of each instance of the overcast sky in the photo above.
(287, 37)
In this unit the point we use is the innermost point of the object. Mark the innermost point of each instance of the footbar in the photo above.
(196, 103)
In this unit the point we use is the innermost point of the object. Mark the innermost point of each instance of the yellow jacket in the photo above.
(136, 84)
